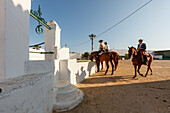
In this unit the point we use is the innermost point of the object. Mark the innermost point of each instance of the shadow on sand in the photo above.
(151, 97)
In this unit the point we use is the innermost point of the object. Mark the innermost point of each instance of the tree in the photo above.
(91, 37)
(85, 55)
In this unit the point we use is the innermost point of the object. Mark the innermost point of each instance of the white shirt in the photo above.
(101, 46)
(107, 46)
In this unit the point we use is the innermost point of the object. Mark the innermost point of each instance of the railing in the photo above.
(42, 52)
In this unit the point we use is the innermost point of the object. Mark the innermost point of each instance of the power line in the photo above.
(116, 23)
(81, 43)
(124, 19)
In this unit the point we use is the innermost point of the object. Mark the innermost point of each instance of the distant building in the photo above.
(123, 53)
(161, 54)
(74, 55)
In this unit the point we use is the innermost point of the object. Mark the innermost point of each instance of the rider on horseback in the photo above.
(101, 49)
(101, 46)
(106, 47)
(141, 50)
(107, 50)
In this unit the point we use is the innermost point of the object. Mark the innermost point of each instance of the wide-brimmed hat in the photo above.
(140, 40)
(100, 40)
(105, 42)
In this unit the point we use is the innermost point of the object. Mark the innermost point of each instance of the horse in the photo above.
(115, 58)
(137, 61)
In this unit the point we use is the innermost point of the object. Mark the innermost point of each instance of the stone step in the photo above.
(67, 95)
(67, 105)
(62, 85)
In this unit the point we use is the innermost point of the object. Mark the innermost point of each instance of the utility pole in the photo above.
(91, 37)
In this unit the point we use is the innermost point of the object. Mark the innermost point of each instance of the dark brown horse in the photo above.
(115, 58)
(137, 61)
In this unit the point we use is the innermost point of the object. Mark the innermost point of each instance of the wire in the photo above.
(116, 23)
(124, 19)
(80, 43)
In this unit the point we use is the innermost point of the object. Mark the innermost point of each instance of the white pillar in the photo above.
(14, 37)
(52, 40)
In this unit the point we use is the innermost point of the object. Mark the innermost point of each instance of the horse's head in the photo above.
(132, 51)
(91, 56)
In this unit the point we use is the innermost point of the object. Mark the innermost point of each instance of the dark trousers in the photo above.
(143, 57)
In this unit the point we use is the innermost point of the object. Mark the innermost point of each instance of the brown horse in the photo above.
(137, 61)
(115, 58)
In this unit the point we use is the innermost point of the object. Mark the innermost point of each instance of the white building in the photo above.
(75, 55)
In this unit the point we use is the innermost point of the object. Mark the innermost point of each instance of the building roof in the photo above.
(121, 52)
(162, 51)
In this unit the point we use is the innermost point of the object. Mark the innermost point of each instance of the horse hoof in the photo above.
(111, 73)
(145, 75)
(141, 75)
(134, 77)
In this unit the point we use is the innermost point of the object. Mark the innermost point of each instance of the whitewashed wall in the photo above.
(28, 94)
(14, 37)
(42, 66)
(63, 53)
(36, 56)
(2, 41)
(75, 71)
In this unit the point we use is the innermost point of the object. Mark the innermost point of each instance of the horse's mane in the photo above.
(134, 48)
(94, 52)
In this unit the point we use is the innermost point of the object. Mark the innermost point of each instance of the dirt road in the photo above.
(120, 93)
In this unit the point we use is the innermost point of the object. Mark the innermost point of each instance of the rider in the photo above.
(101, 46)
(106, 47)
(141, 49)
(101, 49)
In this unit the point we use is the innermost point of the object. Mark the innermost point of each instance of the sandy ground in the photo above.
(119, 93)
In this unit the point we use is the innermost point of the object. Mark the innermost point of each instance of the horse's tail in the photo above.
(115, 59)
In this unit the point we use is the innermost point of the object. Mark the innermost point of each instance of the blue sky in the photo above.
(79, 18)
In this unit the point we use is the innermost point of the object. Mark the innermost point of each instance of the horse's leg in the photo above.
(150, 70)
(139, 66)
(102, 64)
(112, 67)
(107, 64)
(135, 71)
(98, 66)
(149, 67)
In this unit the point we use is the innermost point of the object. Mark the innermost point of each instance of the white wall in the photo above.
(28, 94)
(43, 66)
(76, 72)
(63, 53)
(36, 56)
(52, 39)
(2, 33)
(14, 40)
